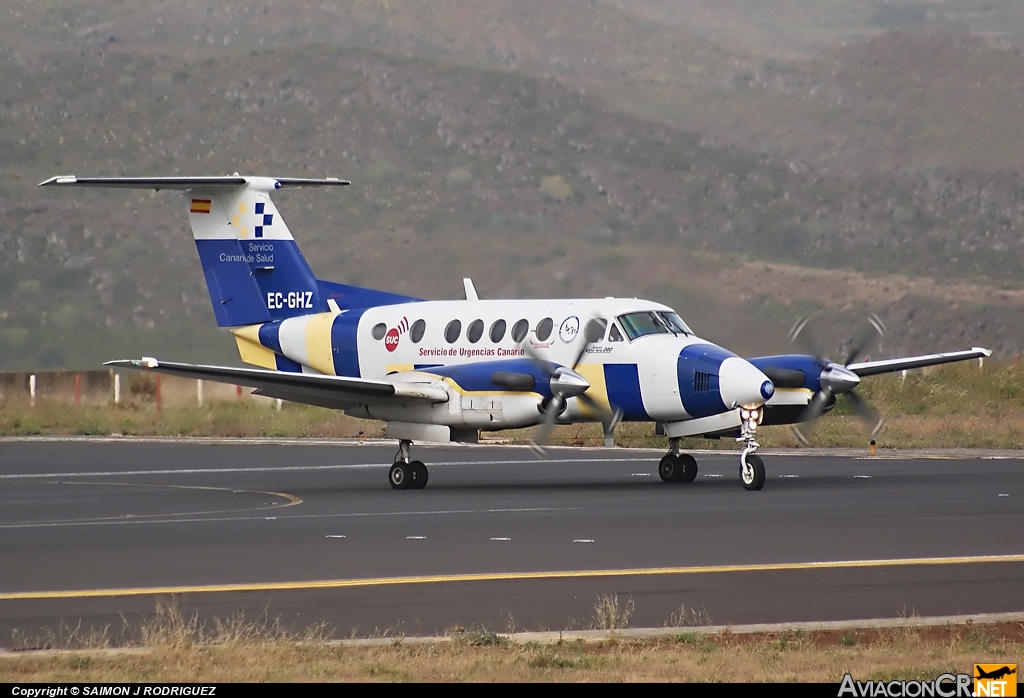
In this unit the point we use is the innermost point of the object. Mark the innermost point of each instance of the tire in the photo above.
(400, 475)
(756, 480)
(419, 475)
(688, 468)
(669, 468)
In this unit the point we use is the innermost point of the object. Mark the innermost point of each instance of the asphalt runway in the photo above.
(94, 533)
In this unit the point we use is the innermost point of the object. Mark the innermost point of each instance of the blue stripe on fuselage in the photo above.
(623, 384)
(707, 359)
(343, 343)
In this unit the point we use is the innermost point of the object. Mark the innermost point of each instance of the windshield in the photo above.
(676, 323)
(648, 322)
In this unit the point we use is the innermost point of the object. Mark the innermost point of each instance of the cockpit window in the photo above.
(644, 323)
(675, 323)
(613, 334)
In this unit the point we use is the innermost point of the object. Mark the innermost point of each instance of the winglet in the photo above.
(986, 352)
(470, 290)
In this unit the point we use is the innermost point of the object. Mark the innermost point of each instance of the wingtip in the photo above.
(59, 179)
(983, 350)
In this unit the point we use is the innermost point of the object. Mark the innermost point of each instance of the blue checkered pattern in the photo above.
(268, 219)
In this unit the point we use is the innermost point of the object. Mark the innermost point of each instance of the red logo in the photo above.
(391, 338)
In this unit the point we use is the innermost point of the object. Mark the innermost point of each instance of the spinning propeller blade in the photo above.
(565, 383)
(836, 379)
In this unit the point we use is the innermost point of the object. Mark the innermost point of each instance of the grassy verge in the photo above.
(950, 407)
(180, 649)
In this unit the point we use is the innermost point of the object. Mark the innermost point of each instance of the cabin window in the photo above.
(475, 331)
(544, 328)
(519, 330)
(595, 330)
(452, 331)
(379, 330)
(498, 331)
(613, 334)
(417, 330)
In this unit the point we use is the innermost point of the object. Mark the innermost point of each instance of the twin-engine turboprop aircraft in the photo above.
(439, 371)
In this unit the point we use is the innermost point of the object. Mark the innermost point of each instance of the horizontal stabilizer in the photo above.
(187, 183)
(308, 388)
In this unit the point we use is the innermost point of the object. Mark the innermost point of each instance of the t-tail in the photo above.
(254, 269)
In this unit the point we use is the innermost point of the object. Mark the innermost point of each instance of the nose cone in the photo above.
(567, 383)
(743, 385)
(839, 379)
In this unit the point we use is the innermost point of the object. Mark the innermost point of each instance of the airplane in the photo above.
(442, 371)
(995, 673)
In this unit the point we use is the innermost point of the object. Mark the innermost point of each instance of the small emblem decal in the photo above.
(569, 328)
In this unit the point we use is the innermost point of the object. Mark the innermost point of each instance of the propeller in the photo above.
(566, 383)
(836, 378)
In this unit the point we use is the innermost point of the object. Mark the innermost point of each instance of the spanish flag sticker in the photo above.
(200, 206)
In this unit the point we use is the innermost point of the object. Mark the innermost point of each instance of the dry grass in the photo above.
(260, 652)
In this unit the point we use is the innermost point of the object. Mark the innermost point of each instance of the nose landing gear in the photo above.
(751, 465)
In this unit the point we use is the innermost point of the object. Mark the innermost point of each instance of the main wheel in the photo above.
(687, 468)
(400, 475)
(669, 469)
(419, 475)
(752, 473)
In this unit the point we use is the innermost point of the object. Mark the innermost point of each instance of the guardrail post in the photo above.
(32, 389)
(117, 388)
(199, 392)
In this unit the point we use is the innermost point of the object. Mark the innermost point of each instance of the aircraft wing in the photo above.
(874, 368)
(312, 389)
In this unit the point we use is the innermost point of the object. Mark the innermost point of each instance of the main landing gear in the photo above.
(681, 467)
(407, 474)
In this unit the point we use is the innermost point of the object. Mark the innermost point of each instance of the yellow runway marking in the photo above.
(506, 576)
(290, 501)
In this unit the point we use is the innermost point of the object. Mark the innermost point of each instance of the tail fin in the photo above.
(254, 270)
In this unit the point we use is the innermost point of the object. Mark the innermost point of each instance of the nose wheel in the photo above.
(751, 471)
(405, 473)
(751, 465)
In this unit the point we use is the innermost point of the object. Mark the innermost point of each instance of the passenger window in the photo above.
(544, 329)
(519, 330)
(498, 331)
(475, 331)
(452, 331)
(416, 333)
(595, 330)
(379, 330)
(614, 335)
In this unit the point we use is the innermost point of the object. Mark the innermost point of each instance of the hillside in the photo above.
(533, 185)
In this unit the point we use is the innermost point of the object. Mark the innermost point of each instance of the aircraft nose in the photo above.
(743, 385)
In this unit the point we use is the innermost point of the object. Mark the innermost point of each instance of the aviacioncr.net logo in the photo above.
(943, 686)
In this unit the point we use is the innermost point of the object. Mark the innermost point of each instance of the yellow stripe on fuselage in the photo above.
(598, 390)
(318, 343)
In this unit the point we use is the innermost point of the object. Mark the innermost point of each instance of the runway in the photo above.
(95, 532)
